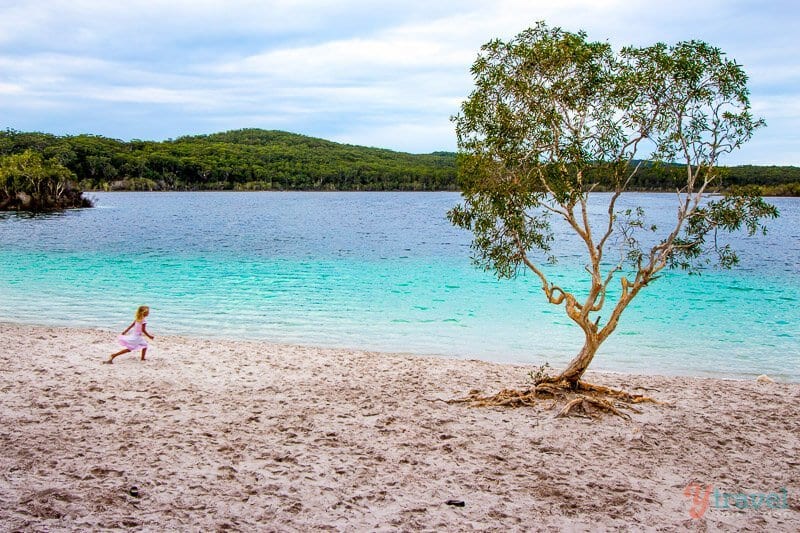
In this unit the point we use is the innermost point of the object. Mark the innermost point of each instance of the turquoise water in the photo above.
(386, 272)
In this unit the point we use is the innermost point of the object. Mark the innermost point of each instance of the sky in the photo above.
(376, 73)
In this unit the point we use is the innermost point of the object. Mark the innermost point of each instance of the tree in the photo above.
(554, 117)
(30, 182)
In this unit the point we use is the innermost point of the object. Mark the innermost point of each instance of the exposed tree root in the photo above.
(580, 399)
(614, 393)
(583, 406)
(504, 398)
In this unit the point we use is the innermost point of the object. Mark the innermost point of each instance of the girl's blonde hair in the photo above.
(141, 312)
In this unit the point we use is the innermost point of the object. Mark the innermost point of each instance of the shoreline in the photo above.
(412, 191)
(188, 337)
(245, 435)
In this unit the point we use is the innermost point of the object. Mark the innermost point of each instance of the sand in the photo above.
(228, 435)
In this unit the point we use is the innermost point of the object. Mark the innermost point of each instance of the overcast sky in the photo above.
(375, 73)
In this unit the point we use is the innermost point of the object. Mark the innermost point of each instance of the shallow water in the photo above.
(384, 271)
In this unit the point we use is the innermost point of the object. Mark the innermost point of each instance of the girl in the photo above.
(136, 340)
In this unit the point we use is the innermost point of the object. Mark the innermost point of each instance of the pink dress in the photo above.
(134, 340)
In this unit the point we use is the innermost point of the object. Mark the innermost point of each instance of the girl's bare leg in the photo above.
(144, 351)
(113, 355)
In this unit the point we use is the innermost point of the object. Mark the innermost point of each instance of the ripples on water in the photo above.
(383, 271)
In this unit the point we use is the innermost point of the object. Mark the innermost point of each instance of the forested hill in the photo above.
(255, 159)
(249, 159)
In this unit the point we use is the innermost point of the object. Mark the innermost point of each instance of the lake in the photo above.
(384, 272)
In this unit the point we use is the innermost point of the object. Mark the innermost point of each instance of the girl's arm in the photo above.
(144, 330)
(129, 328)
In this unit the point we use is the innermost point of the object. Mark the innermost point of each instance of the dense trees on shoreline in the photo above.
(30, 182)
(254, 159)
(763, 180)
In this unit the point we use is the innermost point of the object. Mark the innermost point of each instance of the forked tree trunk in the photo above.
(576, 368)
(594, 338)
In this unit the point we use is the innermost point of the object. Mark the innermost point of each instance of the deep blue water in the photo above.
(384, 271)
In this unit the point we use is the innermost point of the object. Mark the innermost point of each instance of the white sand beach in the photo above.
(228, 435)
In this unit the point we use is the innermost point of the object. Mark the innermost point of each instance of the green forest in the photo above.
(255, 159)
(248, 159)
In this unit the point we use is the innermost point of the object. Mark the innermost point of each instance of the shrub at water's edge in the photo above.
(29, 182)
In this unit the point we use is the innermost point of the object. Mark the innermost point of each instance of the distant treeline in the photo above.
(254, 159)
(765, 180)
(249, 159)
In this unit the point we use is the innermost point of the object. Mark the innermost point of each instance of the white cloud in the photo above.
(347, 59)
(11, 89)
(782, 107)
(153, 95)
(414, 137)
(344, 70)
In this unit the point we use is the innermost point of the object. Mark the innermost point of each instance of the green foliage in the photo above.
(540, 373)
(29, 181)
(745, 208)
(554, 116)
(543, 120)
(249, 159)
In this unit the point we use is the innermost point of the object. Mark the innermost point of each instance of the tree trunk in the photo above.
(574, 371)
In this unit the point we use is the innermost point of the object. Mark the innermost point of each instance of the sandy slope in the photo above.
(237, 435)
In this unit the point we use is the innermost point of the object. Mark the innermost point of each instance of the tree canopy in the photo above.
(555, 117)
(30, 182)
